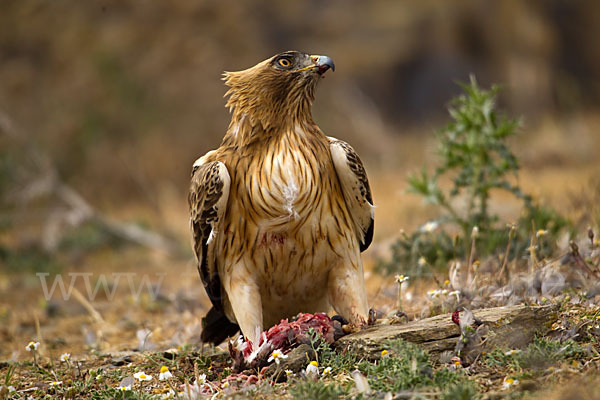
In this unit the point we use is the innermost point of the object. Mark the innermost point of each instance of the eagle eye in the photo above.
(284, 62)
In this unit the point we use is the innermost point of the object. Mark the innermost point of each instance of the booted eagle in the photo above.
(279, 212)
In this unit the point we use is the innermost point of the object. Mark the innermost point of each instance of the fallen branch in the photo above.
(73, 210)
(509, 327)
(88, 306)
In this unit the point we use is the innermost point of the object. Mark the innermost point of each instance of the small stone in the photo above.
(296, 361)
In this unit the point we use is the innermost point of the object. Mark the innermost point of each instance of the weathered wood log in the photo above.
(508, 327)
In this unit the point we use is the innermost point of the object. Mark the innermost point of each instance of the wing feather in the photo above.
(209, 192)
(355, 186)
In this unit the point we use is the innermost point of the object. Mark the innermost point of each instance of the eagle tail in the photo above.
(216, 327)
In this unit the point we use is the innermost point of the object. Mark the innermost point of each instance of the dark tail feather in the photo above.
(216, 327)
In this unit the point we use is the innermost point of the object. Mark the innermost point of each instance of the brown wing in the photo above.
(208, 196)
(355, 186)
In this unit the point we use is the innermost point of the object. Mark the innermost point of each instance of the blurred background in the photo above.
(105, 105)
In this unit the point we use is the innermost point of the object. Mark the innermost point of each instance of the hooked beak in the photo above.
(323, 63)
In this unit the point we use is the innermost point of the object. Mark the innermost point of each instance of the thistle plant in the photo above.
(474, 155)
(472, 149)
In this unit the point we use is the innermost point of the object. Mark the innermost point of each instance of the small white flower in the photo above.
(11, 390)
(141, 376)
(289, 372)
(124, 388)
(540, 233)
(455, 293)
(475, 232)
(55, 383)
(64, 357)
(277, 356)
(32, 346)
(169, 395)
(201, 380)
(434, 293)
(312, 369)
(429, 227)
(509, 382)
(225, 385)
(455, 363)
(164, 373)
(327, 371)
(512, 352)
(444, 292)
(401, 278)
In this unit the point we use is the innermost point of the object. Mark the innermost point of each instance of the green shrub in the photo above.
(407, 367)
(542, 353)
(317, 390)
(474, 155)
(462, 391)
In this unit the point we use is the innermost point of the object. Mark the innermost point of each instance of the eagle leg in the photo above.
(347, 293)
(246, 304)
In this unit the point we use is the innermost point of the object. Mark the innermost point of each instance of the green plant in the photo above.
(317, 390)
(418, 252)
(111, 393)
(88, 237)
(30, 258)
(539, 355)
(475, 157)
(462, 391)
(544, 352)
(473, 150)
(327, 357)
(406, 367)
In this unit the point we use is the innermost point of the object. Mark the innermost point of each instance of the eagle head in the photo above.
(277, 90)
